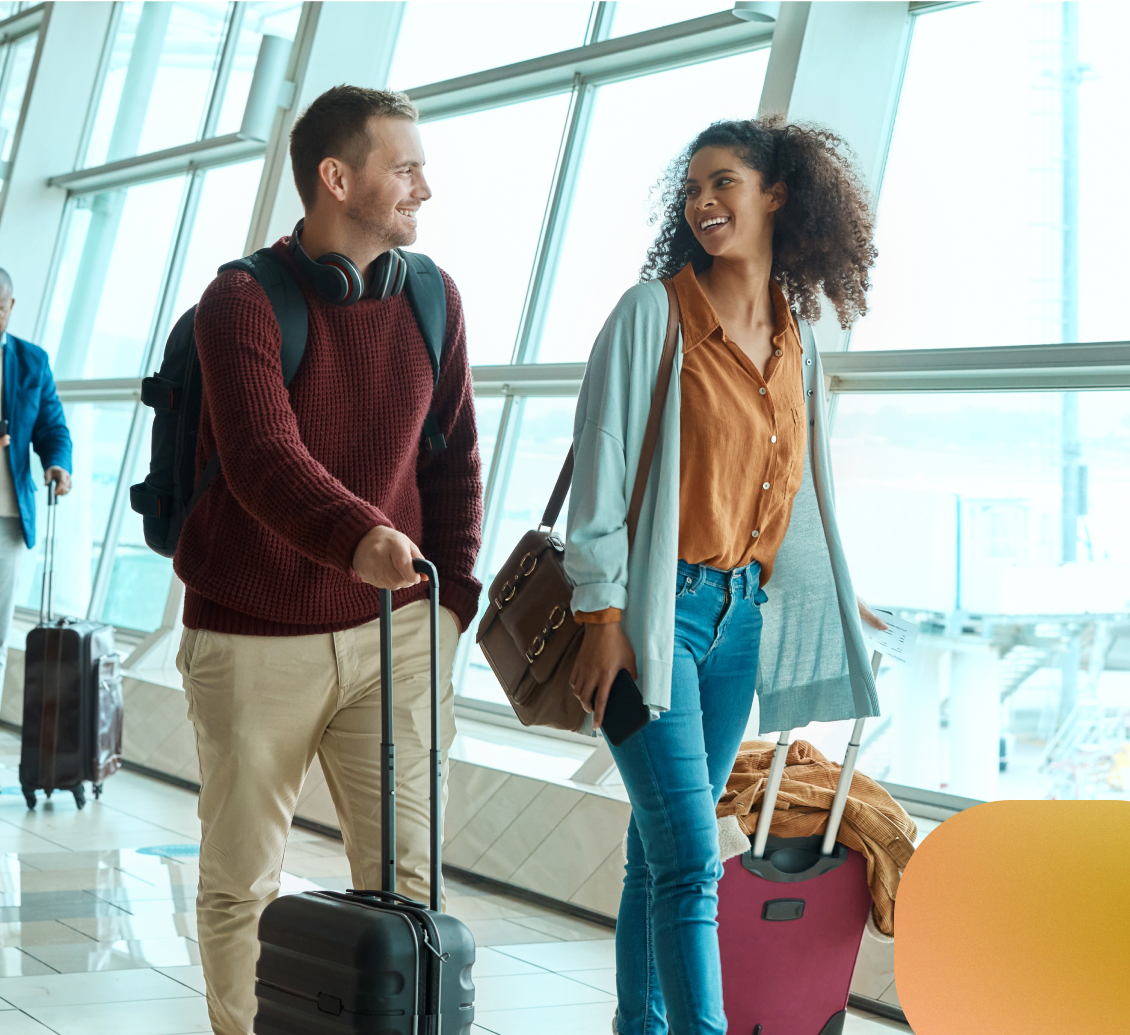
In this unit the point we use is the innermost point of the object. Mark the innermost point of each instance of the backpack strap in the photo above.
(286, 299)
(428, 298)
(289, 306)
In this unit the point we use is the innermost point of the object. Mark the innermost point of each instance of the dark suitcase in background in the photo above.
(371, 961)
(791, 915)
(72, 728)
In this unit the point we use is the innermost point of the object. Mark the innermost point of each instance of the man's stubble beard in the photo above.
(378, 227)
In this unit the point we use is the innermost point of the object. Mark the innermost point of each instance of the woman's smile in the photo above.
(712, 224)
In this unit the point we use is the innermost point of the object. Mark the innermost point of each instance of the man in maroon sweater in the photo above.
(325, 495)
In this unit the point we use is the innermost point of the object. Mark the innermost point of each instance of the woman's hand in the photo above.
(604, 651)
(869, 616)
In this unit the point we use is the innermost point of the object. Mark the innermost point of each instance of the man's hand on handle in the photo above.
(61, 478)
(384, 557)
(604, 651)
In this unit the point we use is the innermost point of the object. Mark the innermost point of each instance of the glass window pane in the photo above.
(139, 583)
(159, 80)
(15, 67)
(219, 231)
(544, 435)
(99, 432)
(975, 232)
(444, 40)
(638, 127)
(488, 414)
(640, 15)
(489, 250)
(110, 280)
(260, 18)
(953, 510)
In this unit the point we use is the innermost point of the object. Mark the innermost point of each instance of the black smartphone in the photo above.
(3, 428)
(624, 713)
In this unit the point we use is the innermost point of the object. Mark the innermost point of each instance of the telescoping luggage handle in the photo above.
(388, 750)
(773, 787)
(45, 600)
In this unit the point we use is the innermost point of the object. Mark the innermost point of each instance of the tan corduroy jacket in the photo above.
(874, 824)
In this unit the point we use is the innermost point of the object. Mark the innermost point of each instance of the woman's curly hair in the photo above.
(823, 234)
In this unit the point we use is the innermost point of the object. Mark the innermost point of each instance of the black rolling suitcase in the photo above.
(371, 961)
(72, 730)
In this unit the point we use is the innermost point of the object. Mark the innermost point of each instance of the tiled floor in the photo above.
(97, 929)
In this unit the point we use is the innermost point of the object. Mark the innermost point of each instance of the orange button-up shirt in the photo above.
(742, 440)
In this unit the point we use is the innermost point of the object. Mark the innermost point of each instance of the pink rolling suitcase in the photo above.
(791, 915)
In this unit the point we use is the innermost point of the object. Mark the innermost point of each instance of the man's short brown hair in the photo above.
(336, 125)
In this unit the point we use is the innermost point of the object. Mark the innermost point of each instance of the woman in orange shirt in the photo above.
(759, 216)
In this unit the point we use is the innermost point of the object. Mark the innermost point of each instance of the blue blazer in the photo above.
(35, 421)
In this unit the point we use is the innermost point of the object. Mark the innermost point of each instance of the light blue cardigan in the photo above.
(813, 661)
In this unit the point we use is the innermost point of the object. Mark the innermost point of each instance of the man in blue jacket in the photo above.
(34, 418)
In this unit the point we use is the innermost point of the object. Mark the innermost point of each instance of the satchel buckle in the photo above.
(506, 594)
(557, 617)
(535, 649)
(522, 565)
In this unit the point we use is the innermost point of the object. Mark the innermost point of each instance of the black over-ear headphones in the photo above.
(338, 279)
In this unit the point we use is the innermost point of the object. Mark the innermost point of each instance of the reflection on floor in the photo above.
(98, 929)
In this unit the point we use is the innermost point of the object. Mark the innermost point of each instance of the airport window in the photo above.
(15, 67)
(131, 261)
(110, 280)
(444, 40)
(986, 512)
(951, 507)
(160, 76)
(473, 169)
(257, 19)
(632, 16)
(543, 435)
(638, 127)
(1022, 164)
(99, 431)
(137, 582)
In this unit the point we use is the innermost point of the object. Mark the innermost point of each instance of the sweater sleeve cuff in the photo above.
(348, 532)
(460, 600)
(597, 596)
(608, 616)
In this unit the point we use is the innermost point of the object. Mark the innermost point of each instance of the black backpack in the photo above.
(171, 490)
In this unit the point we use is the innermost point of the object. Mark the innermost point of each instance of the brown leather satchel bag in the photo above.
(528, 634)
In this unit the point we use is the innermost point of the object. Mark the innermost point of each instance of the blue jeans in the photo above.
(668, 970)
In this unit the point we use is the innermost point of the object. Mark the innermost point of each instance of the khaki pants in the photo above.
(262, 707)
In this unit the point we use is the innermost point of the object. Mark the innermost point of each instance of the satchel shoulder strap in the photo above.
(650, 435)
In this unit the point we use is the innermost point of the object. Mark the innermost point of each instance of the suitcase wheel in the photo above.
(29, 797)
(47, 794)
(97, 788)
(80, 796)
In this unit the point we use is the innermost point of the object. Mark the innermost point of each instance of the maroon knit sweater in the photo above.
(307, 471)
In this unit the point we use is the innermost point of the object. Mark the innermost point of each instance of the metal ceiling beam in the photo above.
(1019, 368)
(20, 24)
(202, 154)
(672, 46)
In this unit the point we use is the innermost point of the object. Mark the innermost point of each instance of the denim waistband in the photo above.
(746, 579)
